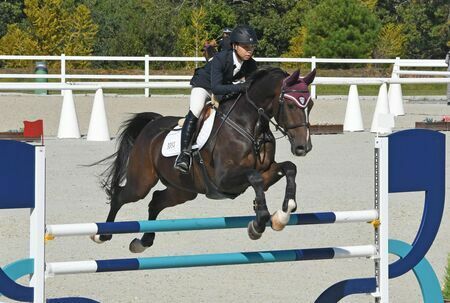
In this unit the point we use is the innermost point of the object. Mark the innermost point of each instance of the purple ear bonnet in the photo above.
(295, 89)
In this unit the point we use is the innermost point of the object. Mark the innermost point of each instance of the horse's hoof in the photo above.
(96, 239)
(292, 206)
(136, 246)
(279, 220)
(252, 232)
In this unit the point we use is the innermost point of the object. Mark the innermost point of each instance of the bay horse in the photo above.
(240, 153)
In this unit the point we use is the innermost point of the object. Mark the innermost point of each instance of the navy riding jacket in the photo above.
(217, 74)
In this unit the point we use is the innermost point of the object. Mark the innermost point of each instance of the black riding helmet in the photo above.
(243, 34)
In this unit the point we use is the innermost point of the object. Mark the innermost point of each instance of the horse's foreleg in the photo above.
(281, 217)
(257, 226)
(161, 199)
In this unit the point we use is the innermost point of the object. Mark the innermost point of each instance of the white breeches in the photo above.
(199, 96)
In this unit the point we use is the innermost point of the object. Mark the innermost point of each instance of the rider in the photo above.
(224, 42)
(224, 75)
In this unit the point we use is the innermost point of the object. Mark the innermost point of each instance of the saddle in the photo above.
(172, 147)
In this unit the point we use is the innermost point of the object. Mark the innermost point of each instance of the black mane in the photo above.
(263, 72)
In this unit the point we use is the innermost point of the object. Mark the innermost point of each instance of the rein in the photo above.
(263, 114)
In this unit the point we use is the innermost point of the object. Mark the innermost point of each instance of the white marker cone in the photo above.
(98, 125)
(353, 118)
(395, 97)
(382, 108)
(68, 121)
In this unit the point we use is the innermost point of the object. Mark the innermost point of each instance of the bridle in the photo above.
(263, 115)
(281, 109)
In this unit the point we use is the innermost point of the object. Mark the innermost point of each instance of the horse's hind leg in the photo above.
(136, 188)
(161, 199)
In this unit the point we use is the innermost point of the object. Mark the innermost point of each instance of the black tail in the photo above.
(130, 129)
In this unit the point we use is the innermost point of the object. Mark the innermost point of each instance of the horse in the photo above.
(239, 153)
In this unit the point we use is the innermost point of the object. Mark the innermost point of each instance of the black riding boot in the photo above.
(183, 161)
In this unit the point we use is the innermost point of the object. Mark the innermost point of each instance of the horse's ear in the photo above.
(292, 79)
(309, 78)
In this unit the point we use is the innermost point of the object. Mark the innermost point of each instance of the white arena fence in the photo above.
(158, 79)
(389, 103)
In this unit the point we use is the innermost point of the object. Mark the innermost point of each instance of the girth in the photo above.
(212, 191)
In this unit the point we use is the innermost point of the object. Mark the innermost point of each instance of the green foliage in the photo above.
(80, 33)
(18, 42)
(51, 30)
(274, 32)
(446, 289)
(218, 16)
(302, 28)
(296, 49)
(193, 34)
(159, 28)
(426, 30)
(391, 41)
(371, 4)
(10, 13)
(120, 33)
(341, 29)
(202, 21)
(296, 44)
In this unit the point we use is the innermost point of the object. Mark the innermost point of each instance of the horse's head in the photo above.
(292, 111)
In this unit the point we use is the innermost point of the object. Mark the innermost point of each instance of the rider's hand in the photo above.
(243, 87)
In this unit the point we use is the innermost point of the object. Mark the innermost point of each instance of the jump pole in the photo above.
(90, 229)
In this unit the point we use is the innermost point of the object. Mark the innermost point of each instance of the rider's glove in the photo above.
(243, 87)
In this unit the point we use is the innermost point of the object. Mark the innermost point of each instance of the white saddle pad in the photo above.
(172, 146)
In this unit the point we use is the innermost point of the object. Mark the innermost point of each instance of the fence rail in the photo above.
(147, 81)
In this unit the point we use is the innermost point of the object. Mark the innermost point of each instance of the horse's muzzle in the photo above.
(301, 150)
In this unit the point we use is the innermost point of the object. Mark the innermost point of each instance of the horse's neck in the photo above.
(242, 113)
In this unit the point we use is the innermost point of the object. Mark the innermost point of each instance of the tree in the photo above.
(391, 41)
(120, 33)
(274, 33)
(10, 13)
(342, 29)
(18, 42)
(192, 36)
(371, 4)
(160, 28)
(218, 16)
(202, 21)
(81, 32)
(52, 29)
(296, 43)
(426, 28)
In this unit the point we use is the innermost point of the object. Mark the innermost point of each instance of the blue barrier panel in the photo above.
(417, 163)
(17, 174)
(12, 290)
